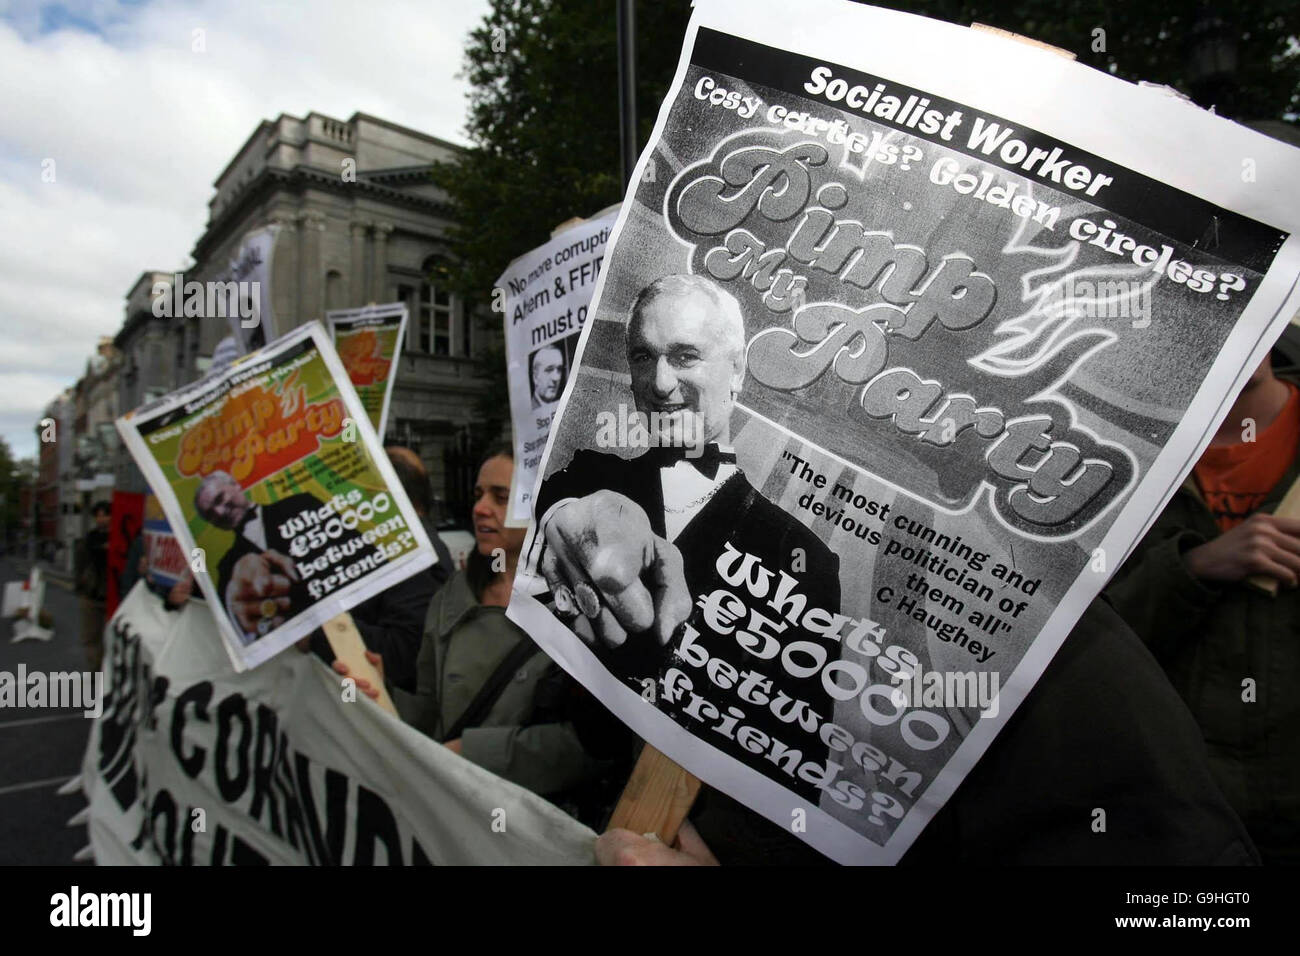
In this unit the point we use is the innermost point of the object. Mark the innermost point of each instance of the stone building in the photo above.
(359, 221)
(79, 455)
(154, 361)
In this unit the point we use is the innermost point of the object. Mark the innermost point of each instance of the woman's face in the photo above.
(491, 499)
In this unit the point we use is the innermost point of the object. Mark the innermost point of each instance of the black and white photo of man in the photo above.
(628, 545)
(546, 374)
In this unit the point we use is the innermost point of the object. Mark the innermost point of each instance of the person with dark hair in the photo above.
(92, 582)
(392, 622)
(483, 688)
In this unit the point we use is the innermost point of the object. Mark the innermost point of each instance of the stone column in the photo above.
(311, 277)
(379, 266)
(284, 279)
(357, 280)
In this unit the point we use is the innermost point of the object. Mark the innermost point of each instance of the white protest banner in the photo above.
(192, 763)
(892, 359)
(252, 323)
(273, 481)
(369, 343)
(546, 294)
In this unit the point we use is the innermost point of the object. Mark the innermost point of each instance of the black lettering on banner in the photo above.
(295, 829)
(249, 749)
(329, 845)
(375, 824)
(263, 767)
(199, 696)
(164, 809)
(231, 709)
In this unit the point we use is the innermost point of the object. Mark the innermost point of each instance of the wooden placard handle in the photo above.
(1289, 507)
(657, 797)
(1021, 38)
(345, 640)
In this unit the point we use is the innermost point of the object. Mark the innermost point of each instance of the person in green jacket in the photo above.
(483, 688)
(1231, 649)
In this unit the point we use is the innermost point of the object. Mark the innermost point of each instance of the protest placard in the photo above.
(272, 479)
(545, 295)
(893, 358)
(165, 562)
(249, 274)
(369, 342)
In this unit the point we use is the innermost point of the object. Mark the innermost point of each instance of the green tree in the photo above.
(14, 480)
(1239, 56)
(543, 118)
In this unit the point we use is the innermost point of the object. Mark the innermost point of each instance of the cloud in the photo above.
(136, 108)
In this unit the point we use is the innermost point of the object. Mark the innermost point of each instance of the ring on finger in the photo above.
(588, 600)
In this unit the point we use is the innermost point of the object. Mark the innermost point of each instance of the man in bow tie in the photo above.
(257, 579)
(628, 545)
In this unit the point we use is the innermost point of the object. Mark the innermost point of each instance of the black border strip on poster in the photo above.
(202, 398)
(1185, 218)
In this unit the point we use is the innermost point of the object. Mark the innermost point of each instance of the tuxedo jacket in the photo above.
(274, 515)
(737, 514)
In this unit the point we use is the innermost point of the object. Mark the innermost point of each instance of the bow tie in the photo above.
(706, 463)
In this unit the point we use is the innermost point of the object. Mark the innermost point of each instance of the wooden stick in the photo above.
(1289, 507)
(657, 797)
(345, 640)
(1021, 38)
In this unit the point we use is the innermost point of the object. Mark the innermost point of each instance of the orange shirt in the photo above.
(1235, 479)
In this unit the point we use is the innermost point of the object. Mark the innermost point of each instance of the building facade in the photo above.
(359, 221)
(53, 464)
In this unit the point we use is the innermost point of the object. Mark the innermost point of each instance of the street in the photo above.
(41, 749)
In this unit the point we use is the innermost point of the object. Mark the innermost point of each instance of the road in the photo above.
(41, 749)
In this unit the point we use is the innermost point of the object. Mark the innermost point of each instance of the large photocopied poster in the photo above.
(892, 359)
(271, 476)
(545, 294)
(369, 342)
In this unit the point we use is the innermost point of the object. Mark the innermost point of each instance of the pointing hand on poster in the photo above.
(610, 566)
(259, 589)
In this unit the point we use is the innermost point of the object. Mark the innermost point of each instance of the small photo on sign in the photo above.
(548, 369)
